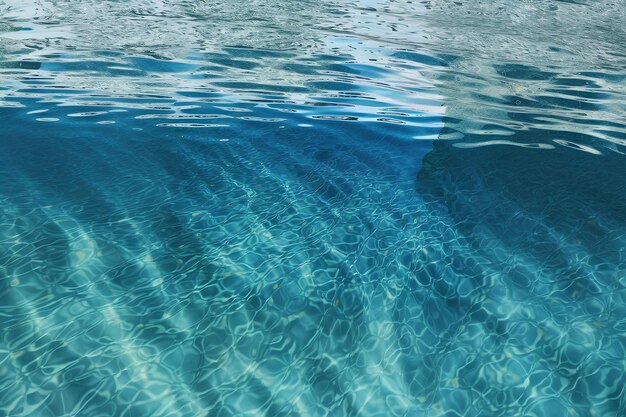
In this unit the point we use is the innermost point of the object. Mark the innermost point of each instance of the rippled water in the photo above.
(314, 208)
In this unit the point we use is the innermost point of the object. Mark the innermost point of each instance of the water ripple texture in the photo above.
(313, 208)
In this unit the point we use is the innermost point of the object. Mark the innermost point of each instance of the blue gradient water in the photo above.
(365, 208)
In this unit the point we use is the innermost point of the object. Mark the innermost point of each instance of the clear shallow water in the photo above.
(313, 208)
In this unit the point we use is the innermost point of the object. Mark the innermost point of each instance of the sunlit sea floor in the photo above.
(315, 208)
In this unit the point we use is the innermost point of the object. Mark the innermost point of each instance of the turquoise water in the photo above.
(280, 208)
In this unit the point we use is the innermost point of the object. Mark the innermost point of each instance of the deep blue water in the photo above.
(280, 208)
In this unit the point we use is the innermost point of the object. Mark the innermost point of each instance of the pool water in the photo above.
(280, 208)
